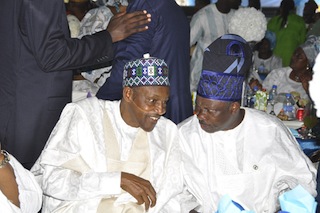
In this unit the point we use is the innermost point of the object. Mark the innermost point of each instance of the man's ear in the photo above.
(234, 107)
(127, 94)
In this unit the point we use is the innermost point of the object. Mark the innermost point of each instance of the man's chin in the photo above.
(206, 128)
(148, 128)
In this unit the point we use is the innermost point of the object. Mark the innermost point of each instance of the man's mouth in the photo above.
(154, 118)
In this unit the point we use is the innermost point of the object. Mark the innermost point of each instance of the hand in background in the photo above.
(139, 188)
(125, 24)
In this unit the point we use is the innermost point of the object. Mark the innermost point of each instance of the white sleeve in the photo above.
(70, 168)
(196, 29)
(7, 206)
(272, 79)
(293, 165)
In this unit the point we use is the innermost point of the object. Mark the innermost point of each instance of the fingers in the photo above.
(124, 24)
(146, 201)
(151, 194)
(138, 22)
(139, 16)
(139, 188)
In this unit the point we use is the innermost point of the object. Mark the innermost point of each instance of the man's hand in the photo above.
(254, 82)
(125, 24)
(139, 188)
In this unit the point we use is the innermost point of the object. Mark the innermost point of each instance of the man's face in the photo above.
(148, 103)
(234, 4)
(264, 46)
(213, 115)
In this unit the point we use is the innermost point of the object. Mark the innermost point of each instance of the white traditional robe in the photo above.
(30, 193)
(274, 62)
(206, 26)
(252, 163)
(78, 138)
(280, 77)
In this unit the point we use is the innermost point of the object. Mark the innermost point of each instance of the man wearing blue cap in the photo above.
(115, 156)
(244, 153)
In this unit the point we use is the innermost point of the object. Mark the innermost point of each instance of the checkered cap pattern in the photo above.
(146, 72)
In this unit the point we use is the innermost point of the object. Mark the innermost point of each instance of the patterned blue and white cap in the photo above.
(146, 71)
(226, 63)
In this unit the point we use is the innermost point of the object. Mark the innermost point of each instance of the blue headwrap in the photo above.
(226, 63)
(271, 36)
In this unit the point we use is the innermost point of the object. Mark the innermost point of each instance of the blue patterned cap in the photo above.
(147, 71)
(225, 66)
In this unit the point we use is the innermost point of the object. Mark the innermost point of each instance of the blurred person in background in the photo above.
(290, 30)
(206, 25)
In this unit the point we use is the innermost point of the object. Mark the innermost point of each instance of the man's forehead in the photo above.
(208, 101)
(152, 90)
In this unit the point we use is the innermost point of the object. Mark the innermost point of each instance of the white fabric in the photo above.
(270, 64)
(206, 26)
(74, 25)
(94, 21)
(314, 86)
(79, 137)
(30, 194)
(280, 77)
(252, 163)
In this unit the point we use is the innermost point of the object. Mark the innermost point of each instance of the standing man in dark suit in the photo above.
(36, 59)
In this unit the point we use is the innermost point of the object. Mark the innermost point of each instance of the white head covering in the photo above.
(311, 48)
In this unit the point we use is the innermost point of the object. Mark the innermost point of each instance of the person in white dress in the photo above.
(296, 77)
(19, 191)
(206, 25)
(264, 60)
(243, 153)
(119, 156)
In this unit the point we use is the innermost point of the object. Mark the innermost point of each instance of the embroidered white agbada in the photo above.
(30, 193)
(252, 163)
(206, 26)
(74, 169)
(280, 77)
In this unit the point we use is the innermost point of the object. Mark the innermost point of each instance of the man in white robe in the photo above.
(209, 23)
(104, 156)
(244, 153)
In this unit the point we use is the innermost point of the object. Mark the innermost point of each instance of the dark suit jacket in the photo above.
(36, 59)
(168, 38)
